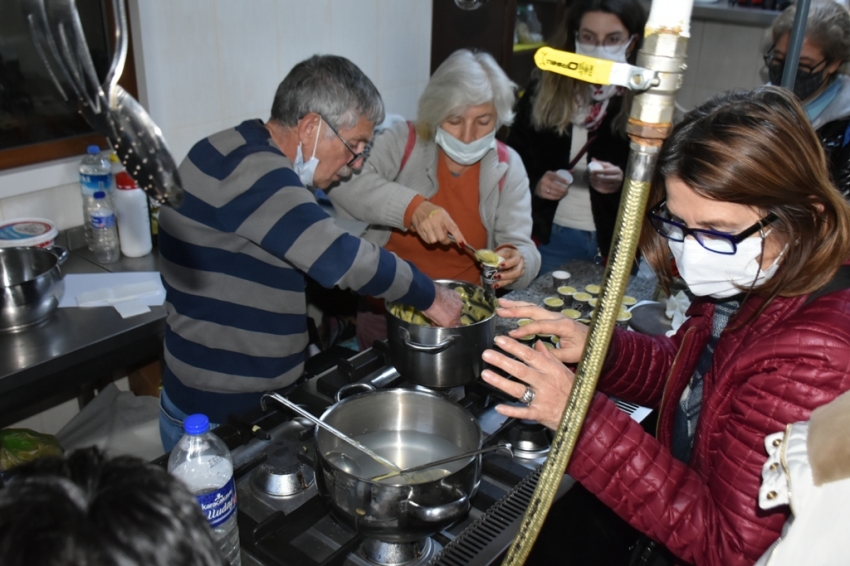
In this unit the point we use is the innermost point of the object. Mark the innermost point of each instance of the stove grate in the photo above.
(468, 547)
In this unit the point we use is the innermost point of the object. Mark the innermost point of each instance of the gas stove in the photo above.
(283, 520)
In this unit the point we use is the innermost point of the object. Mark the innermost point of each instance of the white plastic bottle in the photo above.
(104, 232)
(203, 462)
(95, 175)
(131, 213)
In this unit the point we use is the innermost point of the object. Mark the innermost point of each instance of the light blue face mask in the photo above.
(306, 170)
(465, 153)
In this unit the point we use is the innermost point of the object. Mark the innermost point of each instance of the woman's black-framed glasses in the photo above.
(770, 59)
(355, 155)
(712, 240)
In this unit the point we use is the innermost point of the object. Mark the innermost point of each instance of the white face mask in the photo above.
(465, 153)
(306, 170)
(718, 275)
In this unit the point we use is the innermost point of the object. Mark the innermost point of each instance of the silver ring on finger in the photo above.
(528, 396)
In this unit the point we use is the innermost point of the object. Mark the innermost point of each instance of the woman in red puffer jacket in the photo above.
(742, 200)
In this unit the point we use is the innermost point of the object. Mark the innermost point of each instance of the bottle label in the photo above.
(94, 183)
(220, 504)
(102, 221)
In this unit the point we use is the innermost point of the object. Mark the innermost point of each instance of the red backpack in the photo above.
(501, 151)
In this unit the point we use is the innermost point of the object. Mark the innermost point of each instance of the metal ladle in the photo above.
(322, 424)
(419, 468)
(56, 29)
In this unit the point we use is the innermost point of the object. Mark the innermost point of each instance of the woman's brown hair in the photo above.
(554, 99)
(758, 149)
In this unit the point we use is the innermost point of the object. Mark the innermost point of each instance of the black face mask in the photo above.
(806, 83)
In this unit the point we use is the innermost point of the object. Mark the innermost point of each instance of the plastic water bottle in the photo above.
(131, 212)
(104, 231)
(95, 175)
(203, 462)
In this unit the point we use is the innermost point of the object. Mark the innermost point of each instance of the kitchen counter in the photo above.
(76, 350)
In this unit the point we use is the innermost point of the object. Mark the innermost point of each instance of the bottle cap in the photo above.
(99, 194)
(196, 424)
(93, 150)
(125, 182)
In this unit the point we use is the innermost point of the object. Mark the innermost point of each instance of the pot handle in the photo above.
(352, 388)
(60, 253)
(441, 513)
(429, 348)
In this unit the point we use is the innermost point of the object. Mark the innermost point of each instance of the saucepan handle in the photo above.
(440, 513)
(429, 348)
(60, 253)
(353, 389)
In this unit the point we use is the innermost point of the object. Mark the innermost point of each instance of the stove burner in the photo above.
(398, 554)
(283, 474)
(529, 439)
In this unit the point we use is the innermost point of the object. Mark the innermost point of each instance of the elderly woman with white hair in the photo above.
(447, 176)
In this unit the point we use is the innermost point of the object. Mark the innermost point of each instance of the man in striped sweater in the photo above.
(235, 256)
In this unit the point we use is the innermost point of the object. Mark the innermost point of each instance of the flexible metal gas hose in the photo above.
(650, 121)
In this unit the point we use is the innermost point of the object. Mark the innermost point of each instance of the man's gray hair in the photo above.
(465, 79)
(331, 86)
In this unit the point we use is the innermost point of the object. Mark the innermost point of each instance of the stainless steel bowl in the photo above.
(30, 285)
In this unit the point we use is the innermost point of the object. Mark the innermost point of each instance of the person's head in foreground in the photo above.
(90, 510)
(745, 176)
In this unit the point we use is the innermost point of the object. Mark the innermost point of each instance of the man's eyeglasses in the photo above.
(770, 59)
(712, 240)
(611, 43)
(355, 155)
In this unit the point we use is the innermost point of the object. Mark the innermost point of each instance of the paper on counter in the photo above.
(130, 293)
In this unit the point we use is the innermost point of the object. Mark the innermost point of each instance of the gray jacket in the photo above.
(381, 193)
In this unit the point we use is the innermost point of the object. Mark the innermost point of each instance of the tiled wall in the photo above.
(721, 57)
(206, 65)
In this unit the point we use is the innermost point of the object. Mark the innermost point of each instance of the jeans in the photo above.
(171, 422)
(567, 244)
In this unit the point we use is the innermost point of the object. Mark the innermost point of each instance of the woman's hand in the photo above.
(511, 268)
(433, 224)
(551, 186)
(572, 334)
(537, 368)
(605, 177)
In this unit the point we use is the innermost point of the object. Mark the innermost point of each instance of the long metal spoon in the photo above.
(322, 424)
(421, 467)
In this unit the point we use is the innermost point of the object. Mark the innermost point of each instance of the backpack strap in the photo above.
(502, 153)
(411, 141)
(840, 281)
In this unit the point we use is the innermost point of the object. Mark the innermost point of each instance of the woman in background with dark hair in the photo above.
(758, 238)
(557, 116)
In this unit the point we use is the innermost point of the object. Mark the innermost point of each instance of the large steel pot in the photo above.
(31, 285)
(402, 509)
(441, 357)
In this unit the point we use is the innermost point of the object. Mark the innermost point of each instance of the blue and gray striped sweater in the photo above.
(234, 258)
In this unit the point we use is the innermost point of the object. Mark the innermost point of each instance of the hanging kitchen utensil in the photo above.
(55, 28)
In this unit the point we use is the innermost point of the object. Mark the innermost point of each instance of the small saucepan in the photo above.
(30, 285)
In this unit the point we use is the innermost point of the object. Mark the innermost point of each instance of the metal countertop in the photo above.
(75, 348)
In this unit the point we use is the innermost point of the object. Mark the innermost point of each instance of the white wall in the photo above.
(206, 65)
